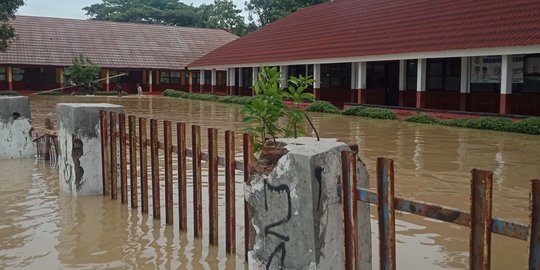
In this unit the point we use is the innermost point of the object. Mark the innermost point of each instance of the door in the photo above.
(391, 94)
(32, 79)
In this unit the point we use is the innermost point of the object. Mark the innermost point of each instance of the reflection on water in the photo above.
(41, 227)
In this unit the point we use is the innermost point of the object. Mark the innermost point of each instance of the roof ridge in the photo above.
(124, 23)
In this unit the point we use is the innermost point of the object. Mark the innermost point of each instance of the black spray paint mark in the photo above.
(268, 229)
(318, 175)
(76, 154)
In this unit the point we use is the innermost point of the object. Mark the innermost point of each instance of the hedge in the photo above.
(186, 95)
(377, 113)
(322, 106)
(236, 99)
(422, 118)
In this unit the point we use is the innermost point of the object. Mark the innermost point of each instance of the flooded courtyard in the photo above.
(41, 227)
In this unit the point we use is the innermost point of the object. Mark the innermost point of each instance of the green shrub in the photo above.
(322, 106)
(377, 113)
(236, 99)
(490, 123)
(422, 118)
(527, 126)
(457, 123)
(354, 111)
(186, 95)
(8, 93)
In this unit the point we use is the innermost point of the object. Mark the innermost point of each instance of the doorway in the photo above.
(383, 76)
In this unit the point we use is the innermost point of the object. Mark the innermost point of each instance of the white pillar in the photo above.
(421, 75)
(361, 75)
(150, 81)
(240, 77)
(317, 76)
(354, 75)
(506, 74)
(214, 77)
(254, 74)
(464, 82)
(201, 77)
(284, 75)
(402, 75)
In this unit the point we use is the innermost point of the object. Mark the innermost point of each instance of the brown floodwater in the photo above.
(44, 228)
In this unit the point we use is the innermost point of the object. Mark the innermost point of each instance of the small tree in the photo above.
(83, 71)
(7, 12)
(267, 107)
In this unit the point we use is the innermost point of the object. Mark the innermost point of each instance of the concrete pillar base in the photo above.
(504, 104)
(296, 213)
(15, 125)
(420, 99)
(361, 96)
(463, 101)
(317, 93)
(401, 99)
(79, 140)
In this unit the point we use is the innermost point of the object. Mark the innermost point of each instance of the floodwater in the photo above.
(43, 228)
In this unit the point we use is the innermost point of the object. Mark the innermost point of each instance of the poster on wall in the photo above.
(487, 69)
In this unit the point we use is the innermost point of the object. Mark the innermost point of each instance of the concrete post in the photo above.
(402, 81)
(202, 80)
(15, 126)
(107, 80)
(317, 78)
(421, 83)
(79, 141)
(296, 214)
(190, 81)
(284, 75)
(232, 80)
(150, 81)
(213, 80)
(361, 74)
(464, 88)
(506, 84)
(9, 73)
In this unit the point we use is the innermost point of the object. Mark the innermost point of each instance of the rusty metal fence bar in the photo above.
(479, 219)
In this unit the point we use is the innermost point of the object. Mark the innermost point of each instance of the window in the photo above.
(18, 74)
(49, 75)
(195, 78)
(246, 77)
(208, 77)
(297, 70)
(2, 74)
(531, 74)
(169, 77)
(411, 71)
(443, 74)
(336, 76)
(118, 79)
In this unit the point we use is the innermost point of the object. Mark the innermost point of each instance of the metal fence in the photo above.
(115, 137)
(479, 219)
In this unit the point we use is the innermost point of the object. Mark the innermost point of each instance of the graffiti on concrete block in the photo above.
(269, 229)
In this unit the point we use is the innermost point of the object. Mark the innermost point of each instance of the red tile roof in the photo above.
(356, 28)
(54, 41)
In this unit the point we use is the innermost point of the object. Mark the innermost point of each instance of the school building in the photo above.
(154, 55)
(479, 56)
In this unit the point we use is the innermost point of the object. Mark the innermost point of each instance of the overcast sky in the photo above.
(73, 8)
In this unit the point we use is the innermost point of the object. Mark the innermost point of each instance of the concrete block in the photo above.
(296, 213)
(15, 125)
(79, 157)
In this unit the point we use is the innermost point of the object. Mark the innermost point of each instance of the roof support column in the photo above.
(317, 78)
(284, 75)
(61, 77)
(421, 84)
(254, 78)
(402, 81)
(202, 80)
(231, 75)
(107, 81)
(190, 81)
(506, 85)
(10, 78)
(240, 73)
(360, 86)
(354, 79)
(213, 80)
(150, 81)
(464, 88)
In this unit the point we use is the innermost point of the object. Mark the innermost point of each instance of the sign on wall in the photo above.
(487, 69)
